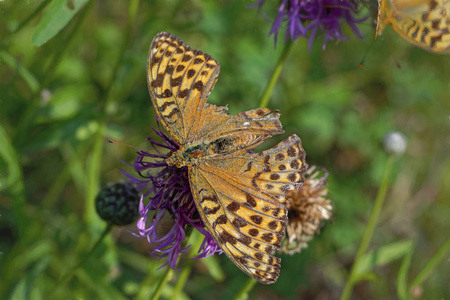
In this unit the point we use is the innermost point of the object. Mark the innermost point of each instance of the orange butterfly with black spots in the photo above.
(240, 196)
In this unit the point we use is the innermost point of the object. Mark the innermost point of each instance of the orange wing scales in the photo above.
(240, 196)
(245, 217)
(180, 80)
(425, 23)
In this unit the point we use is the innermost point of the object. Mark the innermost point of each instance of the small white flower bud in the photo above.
(46, 94)
(394, 143)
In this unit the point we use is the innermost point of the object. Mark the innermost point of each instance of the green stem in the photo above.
(93, 175)
(382, 190)
(32, 15)
(143, 291)
(433, 263)
(68, 275)
(166, 277)
(275, 74)
(132, 10)
(97, 154)
(242, 294)
(195, 241)
(402, 280)
(13, 183)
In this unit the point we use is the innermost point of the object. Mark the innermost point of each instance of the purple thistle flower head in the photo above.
(168, 190)
(308, 18)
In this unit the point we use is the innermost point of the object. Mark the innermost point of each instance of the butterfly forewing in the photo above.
(425, 23)
(179, 80)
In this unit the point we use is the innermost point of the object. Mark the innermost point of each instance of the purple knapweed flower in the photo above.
(169, 194)
(309, 18)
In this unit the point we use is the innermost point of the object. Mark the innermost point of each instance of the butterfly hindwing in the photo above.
(245, 218)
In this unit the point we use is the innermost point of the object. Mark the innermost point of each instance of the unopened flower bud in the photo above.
(118, 204)
(394, 143)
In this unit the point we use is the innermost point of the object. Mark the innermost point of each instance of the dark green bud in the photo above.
(118, 204)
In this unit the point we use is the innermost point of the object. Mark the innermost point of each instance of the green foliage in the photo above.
(72, 74)
(55, 18)
(381, 256)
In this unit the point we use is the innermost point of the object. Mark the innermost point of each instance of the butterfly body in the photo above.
(240, 196)
(193, 155)
(425, 23)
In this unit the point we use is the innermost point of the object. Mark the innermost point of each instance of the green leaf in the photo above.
(102, 288)
(138, 262)
(432, 264)
(214, 268)
(34, 274)
(383, 255)
(59, 133)
(366, 277)
(64, 103)
(402, 277)
(8, 155)
(59, 13)
(26, 75)
(32, 254)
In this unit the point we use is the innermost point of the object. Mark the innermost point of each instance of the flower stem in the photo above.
(242, 294)
(68, 275)
(381, 195)
(195, 241)
(95, 158)
(166, 277)
(426, 271)
(275, 74)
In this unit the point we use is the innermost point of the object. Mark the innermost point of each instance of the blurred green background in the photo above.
(59, 101)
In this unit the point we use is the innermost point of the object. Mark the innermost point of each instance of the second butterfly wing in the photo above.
(241, 201)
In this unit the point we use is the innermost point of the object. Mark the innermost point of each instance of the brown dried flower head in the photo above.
(307, 209)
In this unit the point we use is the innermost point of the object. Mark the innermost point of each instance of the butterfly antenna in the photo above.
(392, 55)
(123, 144)
(361, 63)
(378, 29)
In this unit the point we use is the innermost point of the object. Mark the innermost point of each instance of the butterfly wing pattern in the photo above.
(239, 195)
(242, 199)
(424, 23)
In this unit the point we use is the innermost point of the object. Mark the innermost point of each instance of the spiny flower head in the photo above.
(118, 203)
(309, 18)
(307, 208)
(170, 197)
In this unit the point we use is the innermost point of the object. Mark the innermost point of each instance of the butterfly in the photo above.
(424, 23)
(240, 195)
